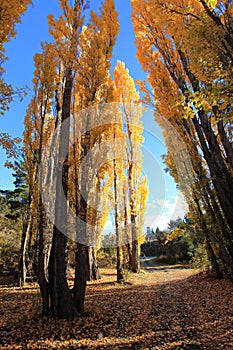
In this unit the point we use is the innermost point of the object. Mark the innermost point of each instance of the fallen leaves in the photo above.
(160, 311)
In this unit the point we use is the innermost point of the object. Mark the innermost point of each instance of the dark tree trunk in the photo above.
(222, 177)
(226, 143)
(212, 256)
(43, 283)
(207, 240)
(119, 266)
(62, 305)
(135, 267)
(61, 298)
(220, 233)
(80, 276)
(82, 255)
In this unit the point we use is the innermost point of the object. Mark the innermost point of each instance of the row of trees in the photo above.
(82, 160)
(82, 165)
(186, 48)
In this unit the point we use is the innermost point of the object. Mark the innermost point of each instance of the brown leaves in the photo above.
(182, 311)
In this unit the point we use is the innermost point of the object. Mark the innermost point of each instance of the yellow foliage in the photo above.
(176, 233)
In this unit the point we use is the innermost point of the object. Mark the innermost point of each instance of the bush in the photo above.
(106, 257)
(9, 251)
(200, 259)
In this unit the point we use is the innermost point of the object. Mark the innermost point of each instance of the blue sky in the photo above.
(19, 67)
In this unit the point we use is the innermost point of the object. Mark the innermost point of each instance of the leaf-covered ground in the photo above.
(161, 308)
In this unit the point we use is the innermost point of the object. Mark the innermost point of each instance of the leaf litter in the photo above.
(172, 307)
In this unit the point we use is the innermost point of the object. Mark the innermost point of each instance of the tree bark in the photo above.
(119, 266)
(27, 222)
(212, 256)
(135, 267)
(80, 276)
(135, 257)
(222, 178)
(226, 143)
(61, 298)
(93, 273)
(43, 283)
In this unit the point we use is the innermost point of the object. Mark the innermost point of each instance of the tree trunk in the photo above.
(135, 267)
(226, 143)
(207, 239)
(212, 256)
(93, 273)
(119, 266)
(43, 283)
(82, 255)
(120, 270)
(129, 250)
(62, 305)
(22, 269)
(221, 176)
(80, 276)
(61, 299)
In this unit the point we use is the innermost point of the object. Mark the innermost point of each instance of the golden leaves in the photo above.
(124, 85)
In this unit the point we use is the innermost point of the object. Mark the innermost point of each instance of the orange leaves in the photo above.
(10, 14)
(125, 90)
(96, 45)
(151, 312)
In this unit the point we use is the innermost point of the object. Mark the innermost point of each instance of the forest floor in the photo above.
(163, 307)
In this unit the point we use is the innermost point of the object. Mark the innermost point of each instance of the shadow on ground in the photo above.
(193, 313)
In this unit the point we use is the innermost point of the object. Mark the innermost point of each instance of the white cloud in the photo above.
(152, 204)
(171, 209)
(165, 203)
(108, 224)
(154, 221)
(159, 213)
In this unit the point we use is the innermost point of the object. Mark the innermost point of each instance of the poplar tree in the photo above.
(62, 89)
(186, 49)
(126, 94)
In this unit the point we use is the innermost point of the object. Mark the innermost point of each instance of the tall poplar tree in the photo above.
(126, 94)
(39, 125)
(62, 89)
(98, 39)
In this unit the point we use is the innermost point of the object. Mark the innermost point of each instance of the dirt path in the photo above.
(157, 274)
(162, 308)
